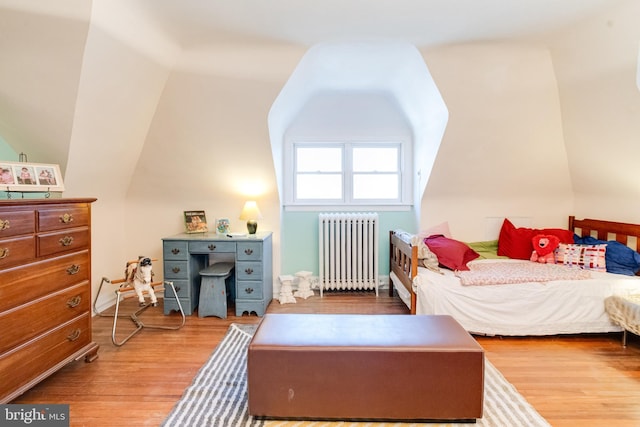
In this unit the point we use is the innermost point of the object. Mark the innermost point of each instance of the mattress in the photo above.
(530, 308)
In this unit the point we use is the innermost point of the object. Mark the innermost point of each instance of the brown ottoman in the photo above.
(387, 367)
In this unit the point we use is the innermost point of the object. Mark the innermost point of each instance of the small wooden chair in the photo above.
(125, 289)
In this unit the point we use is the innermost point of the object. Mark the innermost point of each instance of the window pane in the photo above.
(370, 159)
(319, 186)
(383, 187)
(319, 159)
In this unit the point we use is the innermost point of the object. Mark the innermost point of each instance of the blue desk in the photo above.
(184, 255)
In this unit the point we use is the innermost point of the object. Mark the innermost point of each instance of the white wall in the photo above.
(503, 151)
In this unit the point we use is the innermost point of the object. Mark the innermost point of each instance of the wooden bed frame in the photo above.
(403, 258)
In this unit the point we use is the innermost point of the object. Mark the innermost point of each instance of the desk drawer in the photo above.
(15, 223)
(182, 289)
(249, 290)
(211, 247)
(176, 270)
(175, 250)
(249, 251)
(249, 270)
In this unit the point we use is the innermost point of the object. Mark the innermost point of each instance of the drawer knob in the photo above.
(4, 252)
(212, 247)
(74, 335)
(249, 290)
(176, 269)
(248, 270)
(66, 218)
(74, 302)
(248, 251)
(74, 269)
(175, 251)
(66, 241)
(4, 224)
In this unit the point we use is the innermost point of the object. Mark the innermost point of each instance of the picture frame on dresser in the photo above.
(30, 177)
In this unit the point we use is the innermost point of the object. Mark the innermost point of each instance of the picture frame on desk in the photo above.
(195, 222)
(27, 177)
(223, 226)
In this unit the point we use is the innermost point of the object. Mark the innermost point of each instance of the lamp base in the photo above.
(252, 226)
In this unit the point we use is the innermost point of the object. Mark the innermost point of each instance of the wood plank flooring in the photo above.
(586, 380)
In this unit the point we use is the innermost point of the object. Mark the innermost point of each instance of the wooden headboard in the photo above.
(607, 230)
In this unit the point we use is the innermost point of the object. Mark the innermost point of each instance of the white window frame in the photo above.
(347, 201)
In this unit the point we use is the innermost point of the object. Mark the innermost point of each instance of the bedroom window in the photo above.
(346, 173)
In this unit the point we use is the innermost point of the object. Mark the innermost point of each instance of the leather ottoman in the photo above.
(382, 367)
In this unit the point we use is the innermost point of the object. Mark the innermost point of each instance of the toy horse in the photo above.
(140, 274)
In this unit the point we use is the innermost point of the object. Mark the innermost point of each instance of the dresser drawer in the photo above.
(249, 251)
(249, 290)
(32, 319)
(175, 250)
(63, 241)
(17, 222)
(17, 251)
(44, 353)
(211, 247)
(176, 270)
(249, 270)
(63, 217)
(23, 284)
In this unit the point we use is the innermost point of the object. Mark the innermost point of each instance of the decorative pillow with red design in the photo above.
(544, 246)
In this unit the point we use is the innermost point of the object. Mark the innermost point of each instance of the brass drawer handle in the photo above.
(249, 290)
(248, 251)
(176, 269)
(74, 335)
(66, 218)
(66, 241)
(248, 270)
(4, 224)
(212, 247)
(175, 251)
(74, 269)
(74, 302)
(4, 252)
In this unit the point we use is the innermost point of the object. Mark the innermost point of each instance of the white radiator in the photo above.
(348, 251)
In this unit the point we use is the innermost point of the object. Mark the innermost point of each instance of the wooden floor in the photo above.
(588, 380)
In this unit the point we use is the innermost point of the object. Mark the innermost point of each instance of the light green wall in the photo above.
(300, 239)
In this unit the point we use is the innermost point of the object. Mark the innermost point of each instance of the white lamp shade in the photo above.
(250, 211)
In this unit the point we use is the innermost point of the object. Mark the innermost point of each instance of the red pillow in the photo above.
(516, 242)
(451, 254)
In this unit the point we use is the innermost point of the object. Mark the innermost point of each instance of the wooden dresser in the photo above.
(45, 290)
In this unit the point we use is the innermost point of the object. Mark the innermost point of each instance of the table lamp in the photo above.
(251, 214)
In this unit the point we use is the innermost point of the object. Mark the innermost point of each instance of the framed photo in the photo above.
(19, 176)
(195, 222)
(223, 226)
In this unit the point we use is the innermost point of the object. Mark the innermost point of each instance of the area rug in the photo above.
(218, 396)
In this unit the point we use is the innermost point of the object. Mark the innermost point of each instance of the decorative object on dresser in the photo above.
(30, 177)
(45, 289)
(185, 255)
(195, 221)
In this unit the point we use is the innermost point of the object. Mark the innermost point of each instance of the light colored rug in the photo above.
(218, 396)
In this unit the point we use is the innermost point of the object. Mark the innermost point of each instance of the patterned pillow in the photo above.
(588, 257)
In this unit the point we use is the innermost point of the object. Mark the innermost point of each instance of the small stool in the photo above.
(213, 290)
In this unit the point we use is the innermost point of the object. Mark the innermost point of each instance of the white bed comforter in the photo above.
(556, 307)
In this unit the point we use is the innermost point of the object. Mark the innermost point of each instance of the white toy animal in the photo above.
(140, 274)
